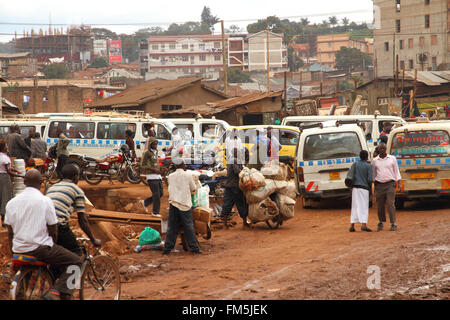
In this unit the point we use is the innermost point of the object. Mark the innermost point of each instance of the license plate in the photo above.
(422, 175)
(335, 175)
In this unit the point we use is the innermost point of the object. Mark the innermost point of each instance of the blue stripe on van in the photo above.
(327, 162)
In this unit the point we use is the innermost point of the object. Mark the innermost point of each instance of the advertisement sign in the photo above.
(115, 51)
(434, 142)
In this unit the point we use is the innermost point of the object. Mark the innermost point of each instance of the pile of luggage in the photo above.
(268, 193)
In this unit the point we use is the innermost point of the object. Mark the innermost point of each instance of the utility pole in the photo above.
(396, 76)
(285, 89)
(224, 60)
(300, 86)
(268, 57)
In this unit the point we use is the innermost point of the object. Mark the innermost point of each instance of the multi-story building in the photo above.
(17, 65)
(257, 52)
(417, 31)
(170, 57)
(75, 46)
(329, 44)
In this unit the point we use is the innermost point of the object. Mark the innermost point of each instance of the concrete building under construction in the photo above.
(73, 47)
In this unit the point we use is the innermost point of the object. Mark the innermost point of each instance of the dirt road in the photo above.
(312, 256)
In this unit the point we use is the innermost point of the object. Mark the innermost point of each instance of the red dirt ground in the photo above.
(312, 256)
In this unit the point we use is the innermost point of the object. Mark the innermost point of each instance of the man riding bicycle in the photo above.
(66, 195)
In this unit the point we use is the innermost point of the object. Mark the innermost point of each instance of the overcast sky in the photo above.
(164, 12)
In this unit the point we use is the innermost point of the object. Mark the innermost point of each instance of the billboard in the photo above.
(115, 51)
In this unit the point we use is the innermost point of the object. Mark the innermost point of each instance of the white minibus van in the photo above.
(324, 155)
(98, 137)
(25, 125)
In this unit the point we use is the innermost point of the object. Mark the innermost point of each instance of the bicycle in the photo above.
(100, 277)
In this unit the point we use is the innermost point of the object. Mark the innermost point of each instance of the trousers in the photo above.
(231, 197)
(156, 187)
(183, 219)
(385, 194)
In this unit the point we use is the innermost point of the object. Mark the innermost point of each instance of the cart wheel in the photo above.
(274, 222)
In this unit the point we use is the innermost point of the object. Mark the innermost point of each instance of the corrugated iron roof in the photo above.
(145, 92)
(223, 105)
(430, 78)
(14, 55)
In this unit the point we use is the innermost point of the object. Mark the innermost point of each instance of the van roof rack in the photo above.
(321, 126)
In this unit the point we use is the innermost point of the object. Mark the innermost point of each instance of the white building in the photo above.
(417, 31)
(170, 57)
(257, 52)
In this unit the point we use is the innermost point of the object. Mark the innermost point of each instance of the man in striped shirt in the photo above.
(66, 196)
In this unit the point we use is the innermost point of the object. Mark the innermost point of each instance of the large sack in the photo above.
(265, 191)
(262, 211)
(275, 170)
(287, 205)
(289, 190)
(250, 180)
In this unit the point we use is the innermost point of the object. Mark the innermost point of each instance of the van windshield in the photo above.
(415, 143)
(331, 145)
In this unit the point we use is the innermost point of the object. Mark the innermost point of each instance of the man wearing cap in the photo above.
(150, 165)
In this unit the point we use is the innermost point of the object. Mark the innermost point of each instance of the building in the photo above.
(157, 96)
(238, 52)
(329, 44)
(170, 57)
(252, 109)
(302, 51)
(257, 52)
(17, 65)
(417, 31)
(36, 96)
(75, 46)
(100, 48)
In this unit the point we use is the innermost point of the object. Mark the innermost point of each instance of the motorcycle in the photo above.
(117, 166)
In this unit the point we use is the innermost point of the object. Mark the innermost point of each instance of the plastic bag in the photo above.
(250, 180)
(275, 170)
(287, 206)
(289, 190)
(201, 197)
(262, 211)
(149, 236)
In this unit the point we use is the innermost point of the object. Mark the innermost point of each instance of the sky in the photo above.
(162, 13)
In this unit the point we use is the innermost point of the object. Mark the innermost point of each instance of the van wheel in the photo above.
(306, 203)
(399, 204)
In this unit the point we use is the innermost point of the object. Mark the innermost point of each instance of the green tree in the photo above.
(233, 29)
(238, 76)
(103, 33)
(345, 21)
(56, 71)
(208, 18)
(130, 47)
(352, 58)
(98, 62)
(304, 22)
(294, 62)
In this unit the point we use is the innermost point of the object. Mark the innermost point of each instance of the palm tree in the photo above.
(304, 21)
(333, 20)
(345, 21)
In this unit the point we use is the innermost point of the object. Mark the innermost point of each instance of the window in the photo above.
(172, 46)
(411, 64)
(397, 5)
(184, 58)
(417, 143)
(201, 46)
(402, 65)
(155, 47)
(82, 130)
(163, 46)
(185, 129)
(114, 130)
(386, 46)
(410, 43)
(202, 58)
(217, 58)
(422, 42)
(434, 63)
(427, 21)
(161, 132)
(434, 40)
(397, 26)
(331, 146)
(288, 137)
(401, 44)
(186, 70)
(192, 59)
(184, 46)
(329, 44)
(217, 45)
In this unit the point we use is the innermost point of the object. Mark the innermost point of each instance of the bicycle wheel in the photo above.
(30, 284)
(91, 176)
(100, 280)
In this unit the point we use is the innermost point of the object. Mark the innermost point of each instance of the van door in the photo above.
(326, 159)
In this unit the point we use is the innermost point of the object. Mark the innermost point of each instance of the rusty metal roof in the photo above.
(223, 105)
(148, 91)
(430, 78)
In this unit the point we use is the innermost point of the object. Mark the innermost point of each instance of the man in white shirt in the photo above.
(181, 186)
(31, 221)
(232, 141)
(385, 175)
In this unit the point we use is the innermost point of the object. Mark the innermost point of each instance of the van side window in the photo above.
(4, 132)
(186, 130)
(81, 130)
(288, 137)
(24, 130)
(162, 133)
(367, 128)
(209, 130)
(114, 130)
